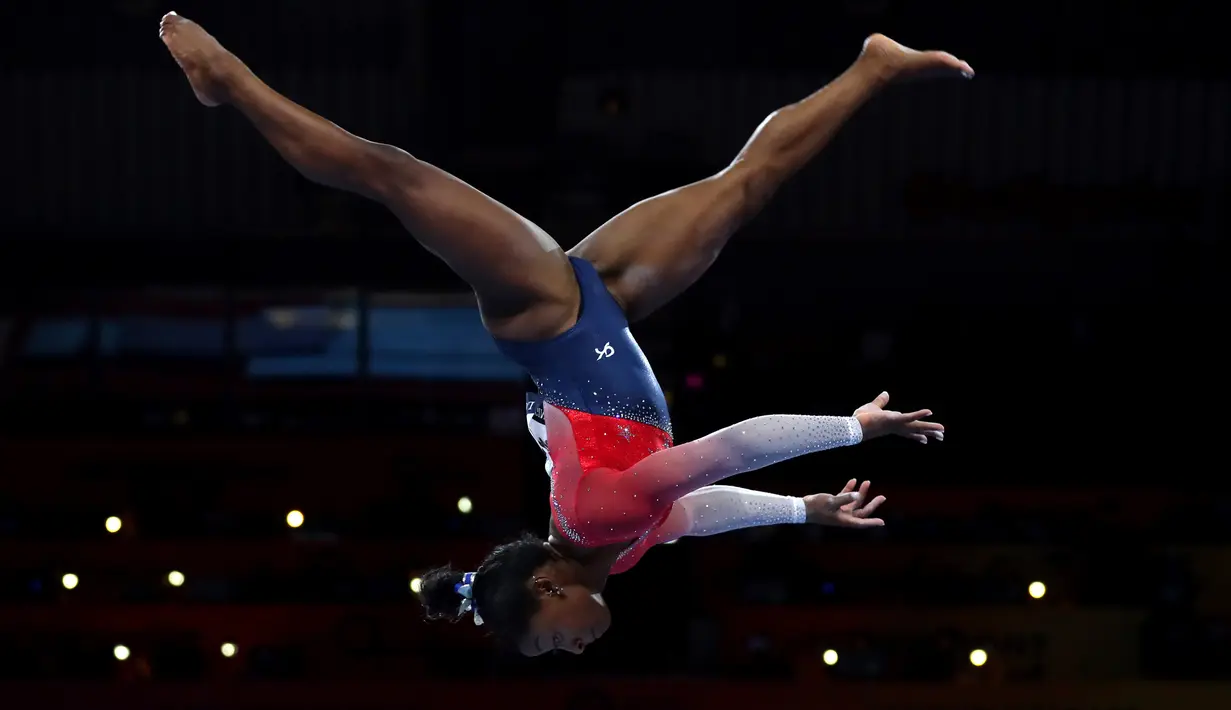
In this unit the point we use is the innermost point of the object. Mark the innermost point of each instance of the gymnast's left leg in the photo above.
(655, 249)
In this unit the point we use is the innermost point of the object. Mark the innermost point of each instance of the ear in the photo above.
(544, 587)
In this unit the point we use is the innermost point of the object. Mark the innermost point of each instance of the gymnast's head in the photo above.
(525, 594)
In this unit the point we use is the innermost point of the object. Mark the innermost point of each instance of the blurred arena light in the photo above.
(175, 579)
(978, 657)
(121, 652)
(830, 657)
(416, 585)
(465, 505)
(114, 524)
(69, 581)
(1037, 590)
(281, 318)
(294, 518)
(229, 650)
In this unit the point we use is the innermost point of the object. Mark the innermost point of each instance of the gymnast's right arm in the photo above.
(764, 441)
(752, 444)
(674, 472)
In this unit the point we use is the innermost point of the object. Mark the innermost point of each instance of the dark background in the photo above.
(196, 340)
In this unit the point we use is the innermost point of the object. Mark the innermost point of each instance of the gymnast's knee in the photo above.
(383, 170)
(749, 183)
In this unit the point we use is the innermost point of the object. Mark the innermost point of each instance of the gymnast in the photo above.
(619, 485)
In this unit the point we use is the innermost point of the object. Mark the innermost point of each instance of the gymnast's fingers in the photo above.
(864, 522)
(843, 499)
(870, 507)
(860, 496)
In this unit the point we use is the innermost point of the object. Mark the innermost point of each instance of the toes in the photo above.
(170, 21)
(962, 67)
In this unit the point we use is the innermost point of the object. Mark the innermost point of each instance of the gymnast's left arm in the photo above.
(718, 509)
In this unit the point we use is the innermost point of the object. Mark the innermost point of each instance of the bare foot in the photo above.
(209, 66)
(894, 61)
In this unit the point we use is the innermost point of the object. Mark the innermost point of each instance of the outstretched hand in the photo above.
(878, 421)
(848, 509)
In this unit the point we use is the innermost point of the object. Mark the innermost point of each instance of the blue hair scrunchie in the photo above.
(465, 589)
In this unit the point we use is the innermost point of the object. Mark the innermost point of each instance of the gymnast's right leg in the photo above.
(523, 280)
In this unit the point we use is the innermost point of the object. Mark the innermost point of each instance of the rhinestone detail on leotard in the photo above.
(612, 405)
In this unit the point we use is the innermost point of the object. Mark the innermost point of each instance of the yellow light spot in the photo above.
(121, 653)
(229, 650)
(69, 581)
(114, 524)
(416, 585)
(830, 657)
(294, 518)
(464, 505)
(978, 657)
(175, 579)
(1037, 589)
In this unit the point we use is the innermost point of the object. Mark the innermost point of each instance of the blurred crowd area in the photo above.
(1051, 582)
(288, 517)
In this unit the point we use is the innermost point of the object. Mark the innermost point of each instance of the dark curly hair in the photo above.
(501, 588)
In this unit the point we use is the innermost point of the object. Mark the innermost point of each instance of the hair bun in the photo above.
(437, 594)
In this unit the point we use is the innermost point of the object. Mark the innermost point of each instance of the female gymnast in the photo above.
(618, 484)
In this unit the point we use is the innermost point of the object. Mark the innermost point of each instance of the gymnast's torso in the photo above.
(596, 375)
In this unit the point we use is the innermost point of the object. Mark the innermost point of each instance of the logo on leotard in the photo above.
(605, 351)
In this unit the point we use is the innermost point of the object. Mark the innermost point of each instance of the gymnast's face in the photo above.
(570, 617)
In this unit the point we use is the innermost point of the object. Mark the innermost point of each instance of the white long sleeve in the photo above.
(747, 446)
(717, 509)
